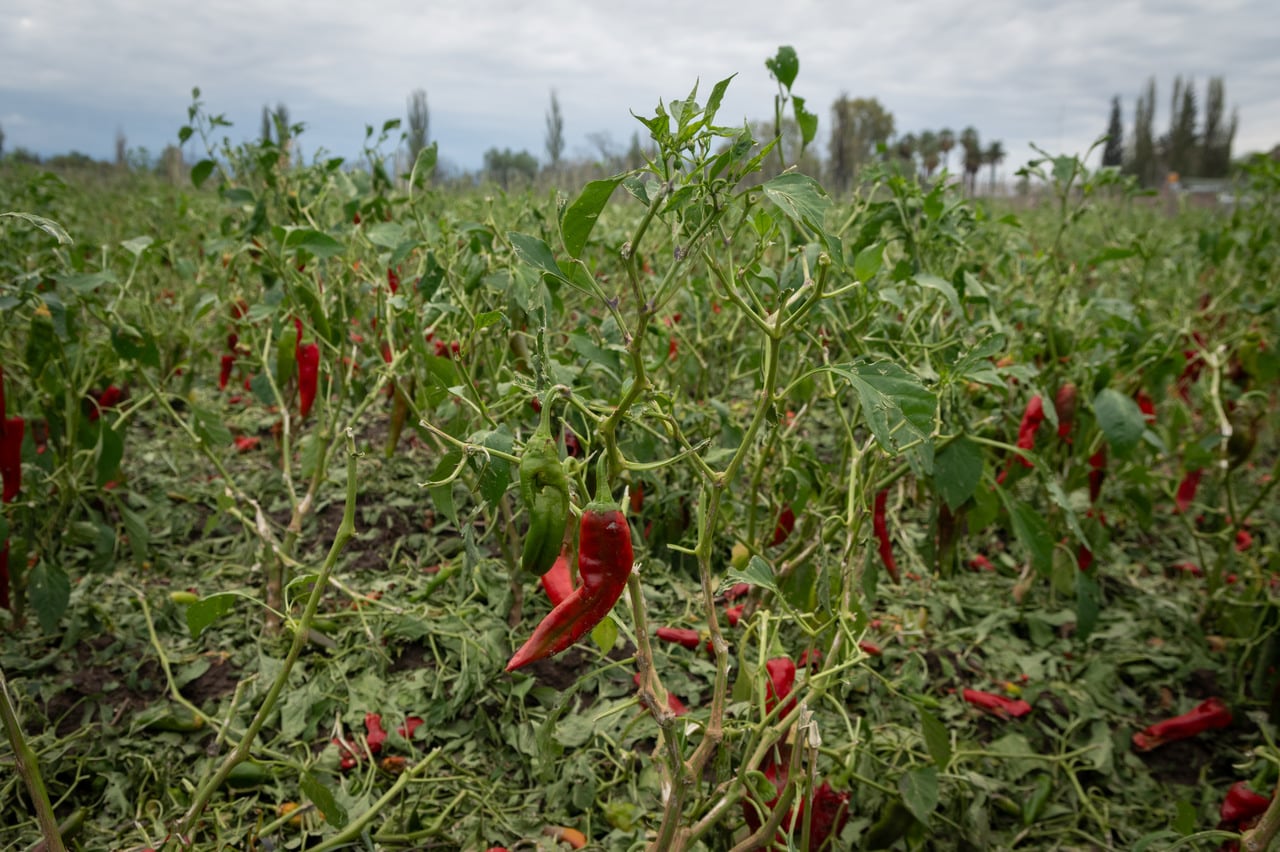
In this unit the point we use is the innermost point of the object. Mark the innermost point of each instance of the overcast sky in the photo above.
(73, 72)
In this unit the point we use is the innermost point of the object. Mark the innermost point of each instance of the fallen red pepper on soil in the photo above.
(375, 735)
(685, 636)
(996, 705)
(1207, 715)
(1241, 805)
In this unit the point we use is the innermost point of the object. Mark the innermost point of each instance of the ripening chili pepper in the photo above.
(830, 812)
(1187, 491)
(786, 524)
(544, 488)
(556, 582)
(1208, 714)
(881, 528)
(308, 376)
(1241, 804)
(11, 456)
(996, 705)
(1097, 473)
(1146, 405)
(576, 839)
(1064, 402)
(375, 735)
(224, 371)
(782, 677)
(604, 563)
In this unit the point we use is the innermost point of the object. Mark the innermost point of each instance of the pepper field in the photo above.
(958, 505)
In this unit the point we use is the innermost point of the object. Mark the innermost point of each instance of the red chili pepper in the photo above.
(1064, 402)
(1032, 417)
(1187, 491)
(782, 677)
(786, 524)
(673, 349)
(376, 736)
(224, 371)
(410, 725)
(734, 614)
(103, 400)
(556, 582)
(981, 563)
(996, 705)
(1241, 804)
(881, 529)
(393, 280)
(680, 636)
(830, 812)
(245, 443)
(308, 376)
(1097, 473)
(2, 410)
(232, 340)
(637, 498)
(11, 456)
(604, 563)
(870, 648)
(1146, 405)
(737, 590)
(1210, 713)
(1084, 558)
(1244, 540)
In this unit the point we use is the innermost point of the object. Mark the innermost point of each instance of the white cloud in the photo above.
(1017, 71)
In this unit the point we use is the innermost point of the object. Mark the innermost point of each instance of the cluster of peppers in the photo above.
(605, 555)
(11, 433)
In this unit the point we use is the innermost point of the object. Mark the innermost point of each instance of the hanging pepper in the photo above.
(881, 528)
(224, 371)
(786, 523)
(1097, 473)
(1032, 417)
(782, 677)
(1064, 402)
(308, 376)
(11, 456)
(545, 492)
(604, 563)
(393, 280)
(556, 582)
(830, 812)
(1187, 491)
(1208, 714)
(1146, 405)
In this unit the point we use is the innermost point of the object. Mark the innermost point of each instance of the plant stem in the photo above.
(29, 769)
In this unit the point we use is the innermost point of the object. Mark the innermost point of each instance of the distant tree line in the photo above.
(1189, 148)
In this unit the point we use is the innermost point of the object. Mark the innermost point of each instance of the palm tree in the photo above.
(972, 155)
(929, 148)
(907, 152)
(946, 141)
(994, 156)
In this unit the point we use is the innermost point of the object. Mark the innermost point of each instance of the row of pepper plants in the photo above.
(674, 378)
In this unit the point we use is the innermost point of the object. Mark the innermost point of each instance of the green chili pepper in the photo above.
(545, 492)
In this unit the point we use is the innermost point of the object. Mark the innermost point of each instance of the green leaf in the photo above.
(936, 739)
(605, 634)
(206, 611)
(209, 427)
(1120, 420)
(957, 471)
(943, 286)
(110, 454)
(784, 65)
(495, 473)
(919, 789)
(137, 245)
(425, 164)
(580, 216)
(537, 254)
(898, 409)
(49, 226)
(200, 172)
(1186, 817)
(755, 573)
(136, 527)
(49, 589)
(386, 234)
(714, 99)
(868, 262)
(133, 345)
(1032, 532)
(315, 242)
(800, 197)
(322, 797)
(88, 282)
(807, 121)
